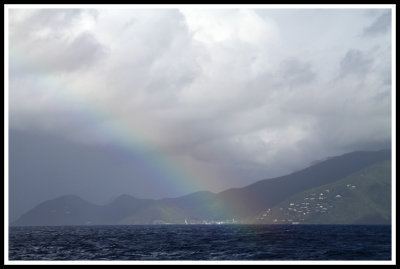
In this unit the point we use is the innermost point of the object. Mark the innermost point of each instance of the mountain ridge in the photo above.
(235, 203)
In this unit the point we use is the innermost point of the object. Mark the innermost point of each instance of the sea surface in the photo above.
(201, 242)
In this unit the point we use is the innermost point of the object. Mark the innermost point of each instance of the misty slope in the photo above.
(123, 206)
(66, 210)
(241, 203)
(73, 210)
(363, 197)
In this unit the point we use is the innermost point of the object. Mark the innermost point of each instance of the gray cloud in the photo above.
(355, 62)
(296, 72)
(54, 40)
(380, 26)
(82, 52)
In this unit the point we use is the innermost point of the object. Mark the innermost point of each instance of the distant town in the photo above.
(313, 203)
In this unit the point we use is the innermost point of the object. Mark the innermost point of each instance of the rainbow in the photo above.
(122, 135)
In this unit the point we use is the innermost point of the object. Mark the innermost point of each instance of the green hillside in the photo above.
(361, 198)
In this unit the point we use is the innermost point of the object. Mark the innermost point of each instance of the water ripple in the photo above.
(202, 242)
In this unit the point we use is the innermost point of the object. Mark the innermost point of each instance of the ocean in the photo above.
(201, 242)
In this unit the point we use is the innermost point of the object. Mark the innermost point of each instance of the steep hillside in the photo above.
(263, 194)
(361, 198)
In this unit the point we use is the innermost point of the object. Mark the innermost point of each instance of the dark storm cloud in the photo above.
(43, 165)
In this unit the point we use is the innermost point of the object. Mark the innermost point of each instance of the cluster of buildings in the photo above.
(298, 211)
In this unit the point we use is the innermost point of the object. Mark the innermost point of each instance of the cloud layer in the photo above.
(234, 95)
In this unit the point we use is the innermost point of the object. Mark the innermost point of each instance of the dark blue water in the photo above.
(201, 242)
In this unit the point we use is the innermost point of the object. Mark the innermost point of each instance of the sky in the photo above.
(160, 102)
